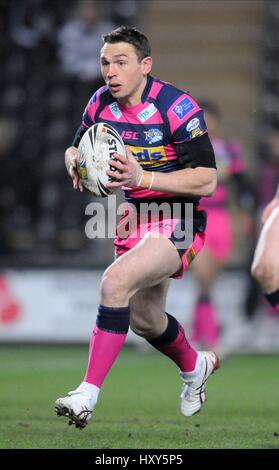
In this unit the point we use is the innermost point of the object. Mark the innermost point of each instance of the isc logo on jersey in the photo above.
(149, 156)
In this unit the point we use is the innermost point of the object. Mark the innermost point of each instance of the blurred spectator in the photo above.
(31, 21)
(8, 173)
(219, 242)
(126, 12)
(79, 41)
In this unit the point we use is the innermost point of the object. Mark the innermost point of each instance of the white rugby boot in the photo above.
(193, 391)
(78, 406)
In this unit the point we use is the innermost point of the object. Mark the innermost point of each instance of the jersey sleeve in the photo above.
(186, 120)
(89, 111)
(88, 117)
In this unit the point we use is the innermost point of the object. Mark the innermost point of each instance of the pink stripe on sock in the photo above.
(181, 352)
(103, 350)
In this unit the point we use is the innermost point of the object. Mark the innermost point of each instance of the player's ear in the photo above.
(146, 65)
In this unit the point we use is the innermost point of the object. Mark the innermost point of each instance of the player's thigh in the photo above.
(147, 306)
(151, 261)
(267, 249)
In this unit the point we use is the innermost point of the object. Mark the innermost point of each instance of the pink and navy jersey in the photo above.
(229, 161)
(165, 117)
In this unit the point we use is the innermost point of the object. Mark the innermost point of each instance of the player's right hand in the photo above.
(71, 165)
(127, 171)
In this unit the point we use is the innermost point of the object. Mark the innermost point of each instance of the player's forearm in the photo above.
(189, 181)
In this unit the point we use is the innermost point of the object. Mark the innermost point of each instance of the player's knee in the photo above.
(265, 273)
(113, 288)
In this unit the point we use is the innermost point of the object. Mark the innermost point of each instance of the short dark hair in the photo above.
(132, 36)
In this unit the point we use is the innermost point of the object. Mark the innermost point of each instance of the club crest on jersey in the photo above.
(153, 135)
(147, 113)
(115, 110)
(193, 124)
(183, 108)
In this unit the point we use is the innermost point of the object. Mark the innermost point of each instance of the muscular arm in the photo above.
(198, 181)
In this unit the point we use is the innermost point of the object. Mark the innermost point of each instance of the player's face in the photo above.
(124, 74)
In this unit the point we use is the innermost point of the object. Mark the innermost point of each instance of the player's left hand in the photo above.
(127, 170)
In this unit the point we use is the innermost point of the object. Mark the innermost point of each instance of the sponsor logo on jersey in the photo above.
(115, 110)
(153, 136)
(193, 124)
(147, 112)
(129, 135)
(183, 108)
(149, 156)
(196, 132)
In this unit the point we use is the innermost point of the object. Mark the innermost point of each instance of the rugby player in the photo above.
(165, 132)
(265, 265)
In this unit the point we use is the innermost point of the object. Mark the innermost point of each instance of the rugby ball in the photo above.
(96, 148)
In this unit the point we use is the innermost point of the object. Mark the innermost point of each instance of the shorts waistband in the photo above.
(171, 201)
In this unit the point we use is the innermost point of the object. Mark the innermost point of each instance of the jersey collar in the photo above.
(147, 88)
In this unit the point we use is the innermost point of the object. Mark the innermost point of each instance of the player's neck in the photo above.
(135, 98)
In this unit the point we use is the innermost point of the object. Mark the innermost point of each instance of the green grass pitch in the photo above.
(139, 403)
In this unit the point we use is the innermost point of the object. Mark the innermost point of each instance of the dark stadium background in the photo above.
(49, 270)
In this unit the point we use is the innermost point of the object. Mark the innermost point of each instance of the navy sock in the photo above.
(273, 298)
(113, 319)
(169, 335)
